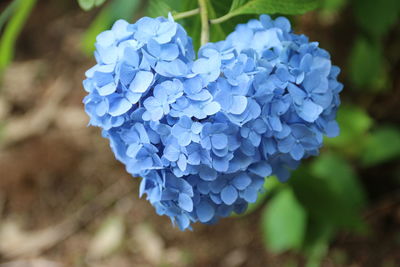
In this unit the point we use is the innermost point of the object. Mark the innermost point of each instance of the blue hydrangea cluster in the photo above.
(204, 133)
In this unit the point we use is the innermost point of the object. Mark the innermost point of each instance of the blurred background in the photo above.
(66, 201)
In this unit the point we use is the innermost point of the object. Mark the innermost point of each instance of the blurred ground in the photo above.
(63, 195)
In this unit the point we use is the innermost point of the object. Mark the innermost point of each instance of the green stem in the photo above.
(11, 32)
(186, 14)
(205, 27)
(222, 19)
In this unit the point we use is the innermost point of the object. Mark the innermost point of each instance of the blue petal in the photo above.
(205, 212)
(297, 94)
(193, 85)
(201, 65)
(133, 149)
(119, 106)
(216, 199)
(107, 89)
(297, 152)
(176, 68)
(332, 129)
(106, 38)
(196, 127)
(171, 153)
(120, 29)
(183, 221)
(229, 195)
(203, 187)
(211, 108)
(241, 181)
(184, 138)
(102, 108)
(282, 23)
(165, 32)
(219, 141)
(239, 104)
(250, 194)
(141, 82)
(182, 163)
(169, 52)
(185, 202)
(194, 158)
(261, 169)
(286, 144)
(220, 164)
(207, 173)
(309, 111)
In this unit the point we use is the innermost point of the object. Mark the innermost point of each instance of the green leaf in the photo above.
(117, 9)
(318, 237)
(286, 7)
(158, 8)
(367, 66)
(284, 222)
(323, 203)
(376, 17)
(86, 4)
(236, 4)
(12, 30)
(354, 123)
(99, 2)
(333, 5)
(381, 146)
(341, 178)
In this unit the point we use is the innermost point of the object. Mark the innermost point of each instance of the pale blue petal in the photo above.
(211, 108)
(119, 106)
(141, 82)
(309, 111)
(176, 68)
(219, 141)
(185, 202)
(171, 153)
(169, 52)
(165, 32)
(239, 104)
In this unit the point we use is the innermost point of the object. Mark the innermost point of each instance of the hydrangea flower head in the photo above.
(204, 133)
(131, 60)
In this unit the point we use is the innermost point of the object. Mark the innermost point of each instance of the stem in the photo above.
(222, 19)
(205, 30)
(186, 14)
(5, 15)
(12, 30)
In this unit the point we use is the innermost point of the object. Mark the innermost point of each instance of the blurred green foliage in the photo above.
(381, 145)
(17, 13)
(325, 195)
(367, 65)
(89, 4)
(284, 222)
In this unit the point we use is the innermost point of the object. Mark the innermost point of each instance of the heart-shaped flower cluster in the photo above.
(203, 134)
